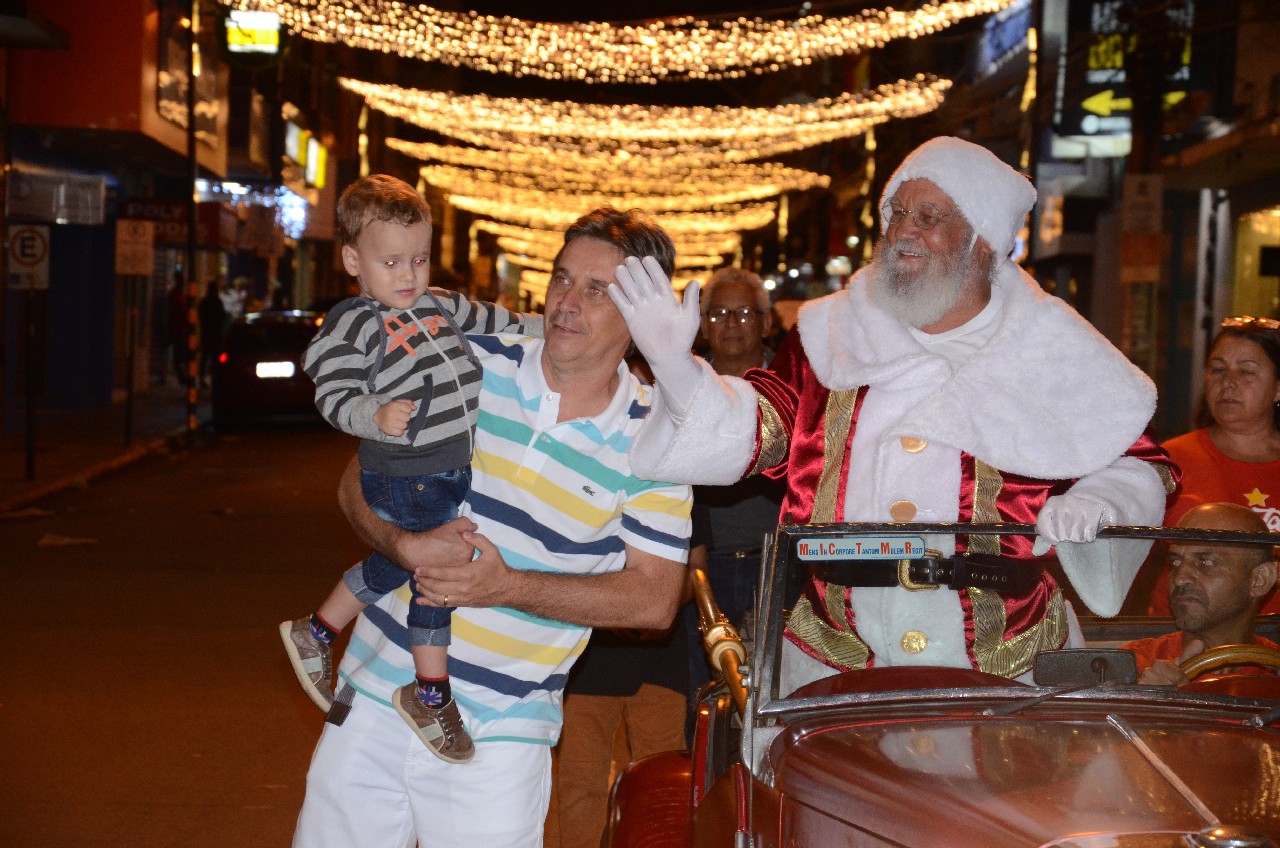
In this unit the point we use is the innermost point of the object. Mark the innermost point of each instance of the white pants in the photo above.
(373, 784)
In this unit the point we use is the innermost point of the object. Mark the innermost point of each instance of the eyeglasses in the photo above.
(1250, 321)
(926, 215)
(742, 316)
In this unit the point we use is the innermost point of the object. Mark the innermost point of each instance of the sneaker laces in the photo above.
(451, 723)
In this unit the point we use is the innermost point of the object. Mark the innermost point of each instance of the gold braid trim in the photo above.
(987, 484)
(838, 646)
(1010, 658)
(837, 419)
(1166, 477)
(774, 443)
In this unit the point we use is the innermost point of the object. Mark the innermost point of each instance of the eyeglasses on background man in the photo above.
(723, 315)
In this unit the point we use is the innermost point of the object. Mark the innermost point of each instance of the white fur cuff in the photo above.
(712, 445)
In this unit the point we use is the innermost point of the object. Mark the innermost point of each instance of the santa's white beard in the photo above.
(918, 298)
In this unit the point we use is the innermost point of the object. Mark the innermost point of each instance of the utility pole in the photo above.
(193, 73)
(1152, 42)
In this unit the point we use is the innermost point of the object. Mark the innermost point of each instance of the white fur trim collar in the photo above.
(1048, 396)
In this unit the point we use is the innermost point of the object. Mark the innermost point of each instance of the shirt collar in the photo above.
(532, 381)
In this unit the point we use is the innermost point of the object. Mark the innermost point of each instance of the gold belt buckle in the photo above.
(905, 581)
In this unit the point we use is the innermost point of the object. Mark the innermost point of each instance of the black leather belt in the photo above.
(1013, 577)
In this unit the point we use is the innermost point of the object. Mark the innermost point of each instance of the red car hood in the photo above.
(1020, 780)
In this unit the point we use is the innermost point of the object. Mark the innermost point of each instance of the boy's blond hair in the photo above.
(378, 197)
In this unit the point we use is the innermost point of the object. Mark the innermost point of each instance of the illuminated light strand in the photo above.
(685, 154)
(651, 196)
(749, 217)
(548, 242)
(491, 121)
(535, 282)
(531, 262)
(517, 251)
(1028, 100)
(709, 47)
(462, 184)
(638, 174)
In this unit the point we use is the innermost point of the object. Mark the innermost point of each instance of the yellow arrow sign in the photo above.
(1105, 102)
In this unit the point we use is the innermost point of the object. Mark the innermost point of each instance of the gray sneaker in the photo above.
(312, 661)
(440, 729)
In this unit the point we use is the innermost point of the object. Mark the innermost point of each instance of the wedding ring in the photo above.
(446, 601)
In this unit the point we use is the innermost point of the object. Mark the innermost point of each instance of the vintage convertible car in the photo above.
(921, 757)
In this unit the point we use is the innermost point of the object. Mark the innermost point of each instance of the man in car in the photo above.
(1215, 591)
(568, 538)
(943, 385)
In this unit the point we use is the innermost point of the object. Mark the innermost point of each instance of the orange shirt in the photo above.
(1210, 476)
(1169, 647)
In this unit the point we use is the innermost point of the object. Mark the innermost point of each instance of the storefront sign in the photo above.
(135, 247)
(216, 223)
(1101, 101)
(1142, 205)
(253, 32)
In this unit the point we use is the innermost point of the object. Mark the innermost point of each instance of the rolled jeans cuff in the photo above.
(437, 637)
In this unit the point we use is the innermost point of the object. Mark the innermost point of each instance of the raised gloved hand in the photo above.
(662, 327)
(1068, 518)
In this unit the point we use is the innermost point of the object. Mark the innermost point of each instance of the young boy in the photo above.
(393, 368)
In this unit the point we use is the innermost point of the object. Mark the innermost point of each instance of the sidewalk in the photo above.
(72, 446)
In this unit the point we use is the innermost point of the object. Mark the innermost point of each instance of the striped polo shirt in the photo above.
(556, 497)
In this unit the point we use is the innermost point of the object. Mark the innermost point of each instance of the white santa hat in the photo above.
(993, 197)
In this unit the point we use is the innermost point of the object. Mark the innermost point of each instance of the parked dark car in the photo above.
(949, 757)
(259, 372)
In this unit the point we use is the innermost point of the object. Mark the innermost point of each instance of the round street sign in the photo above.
(28, 257)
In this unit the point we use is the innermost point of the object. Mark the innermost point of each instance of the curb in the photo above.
(79, 478)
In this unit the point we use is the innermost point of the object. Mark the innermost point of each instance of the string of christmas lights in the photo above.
(732, 134)
(627, 174)
(535, 282)
(649, 51)
(651, 196)
(711, 247)
(520, 251)
(570, 208)
(551, 240)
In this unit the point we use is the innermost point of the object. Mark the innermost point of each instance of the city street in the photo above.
(146, 700)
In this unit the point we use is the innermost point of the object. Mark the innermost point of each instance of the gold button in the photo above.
(902, 510)
(911, 444)
(913, 641)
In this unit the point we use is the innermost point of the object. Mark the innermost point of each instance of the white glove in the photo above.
(662, 327)
(1068, 518)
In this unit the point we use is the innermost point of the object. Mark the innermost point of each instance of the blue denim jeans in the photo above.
(414, 503)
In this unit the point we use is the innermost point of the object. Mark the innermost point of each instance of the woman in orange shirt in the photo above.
(1236, 458)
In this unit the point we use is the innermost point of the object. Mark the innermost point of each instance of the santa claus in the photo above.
(942, 385)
